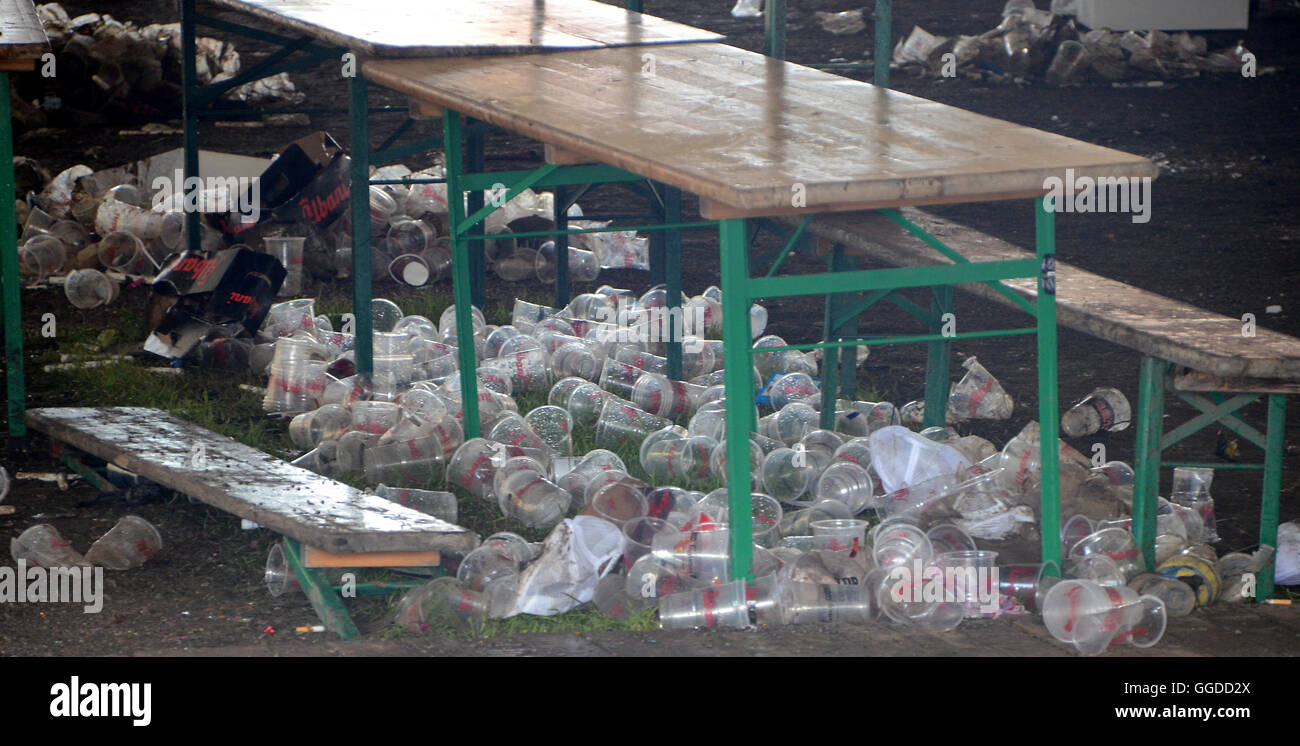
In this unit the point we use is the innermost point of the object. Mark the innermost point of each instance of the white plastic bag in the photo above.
(1286, 571)
(573, 557)
(903, 458)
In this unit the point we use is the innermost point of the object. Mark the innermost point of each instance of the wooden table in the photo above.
(22, 43)
(324, 30)
(753, 137)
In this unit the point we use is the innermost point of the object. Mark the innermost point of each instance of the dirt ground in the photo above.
(1223, 236)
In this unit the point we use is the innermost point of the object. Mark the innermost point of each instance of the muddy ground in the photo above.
(1223, 236)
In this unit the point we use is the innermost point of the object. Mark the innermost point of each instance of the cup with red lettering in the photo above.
(1115, 543)
(839, 535)
(970, 579)
(474, 464)
(42, 546)
(612, 599)
(374, 417)
(619, 502)
(413, 463)
(132, 542)
(639, 534)
(554, 425)
(1022, 588)
(898, 543)
(443, 602)
(1093, 617)
(532, 499)
(814, 603)
(716, 606)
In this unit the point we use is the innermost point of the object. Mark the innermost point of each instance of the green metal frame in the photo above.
(15, 380)
(1215, 409)
(774, 21)
(739, 290)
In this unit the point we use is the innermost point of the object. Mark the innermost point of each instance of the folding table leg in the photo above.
(13, 304)
(1271, 503)
(740, 390)
(938, 360)
(329, 607)
(461, 271)
(1048, 410)
(477, 261)
(359, 131)
(832, 356)
(1146, 467)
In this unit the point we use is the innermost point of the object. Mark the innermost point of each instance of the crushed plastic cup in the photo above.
(437, 504)
(716, 606)
(1178, 597)
(612, 599)
(1104, 409)
(132, 542)
(1022, 588)
(43, 546)
(443, 602)
(839, 535)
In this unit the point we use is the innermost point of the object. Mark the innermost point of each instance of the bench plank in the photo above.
(21, 35)
(436, 28)
(742, 130)
(248, 483)
(1087, 302)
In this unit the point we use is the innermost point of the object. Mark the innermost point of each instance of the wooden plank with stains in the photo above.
(22, 38)
(1108, 309)
(752, 135)
(439, 28)
(248, 483)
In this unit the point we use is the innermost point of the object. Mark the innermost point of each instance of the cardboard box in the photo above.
(230, 291)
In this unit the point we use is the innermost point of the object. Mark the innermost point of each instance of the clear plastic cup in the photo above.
(718, 606)
(810, 603)
(639, 537)
(414, 463)
(1191, 489)
(896, 544)
(132, 542)
(619, 502)
(583, 265)
(512, 465)
(1097, 568)
(612, 599)
(1115, 543)
(1022, 588)
(89, 288)
(441, 505)
(788, 476)
(443, 602)
(43, 546)
(533, 500)
(704, 552)
(554, 425)
(662, 396)
(839, 535)
(288, 250)
(799, 522)
(596, 462)
(40, 256)
(621, 423)
(971, 580)
(845, 482)
(119, 251)
(656, 575)
(374, 417)
(474, 464)
(1093, 616)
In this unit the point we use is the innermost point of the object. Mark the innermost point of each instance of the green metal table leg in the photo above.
(561, 216)
(1146, 469)
(884, 50)
(830, 355)
(672, 246)
(938, 361)
(774, 27)
(461, 272)
(740, 389)
(1276, 435)
(92, 477)
(359, 125)
(15, 381)
(477, 259)
(329, 607)
(1048, 410)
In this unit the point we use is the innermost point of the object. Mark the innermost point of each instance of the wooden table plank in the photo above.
(244, 481)
(21, 35)
(438, 28)
(1096, 305)
(750, 132)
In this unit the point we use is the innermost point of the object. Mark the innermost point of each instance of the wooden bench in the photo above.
(325, 523)
(1185, 349)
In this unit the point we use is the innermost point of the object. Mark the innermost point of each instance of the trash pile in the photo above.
(124, 73)
(867, 521)
(1047, 45)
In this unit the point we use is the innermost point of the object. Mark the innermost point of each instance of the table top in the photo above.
(21, 35)
(752, 135)
(441, 28)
